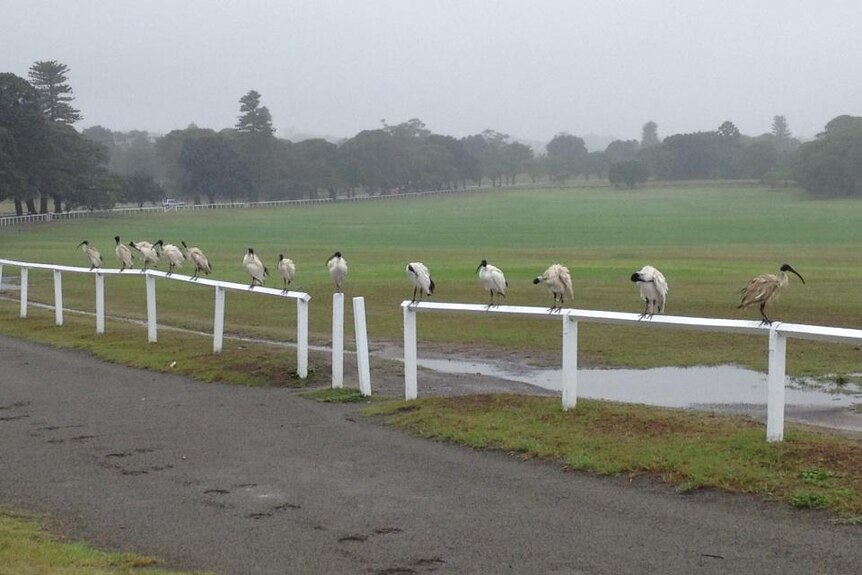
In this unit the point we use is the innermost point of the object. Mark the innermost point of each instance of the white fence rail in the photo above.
(150, 276)
(777, 335)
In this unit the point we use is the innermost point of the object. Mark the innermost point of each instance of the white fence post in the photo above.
(24, 275)
(302, 338)
(337, 340)
(100, 303)
(58, 297)
(218, 320)
(361, 346)
(570, 363)
(152, 334)
(775, 386)
(410, 383)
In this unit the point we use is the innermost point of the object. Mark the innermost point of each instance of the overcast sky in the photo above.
(530, 69)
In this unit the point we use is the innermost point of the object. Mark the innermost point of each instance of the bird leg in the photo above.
(645, 312)
(766, 320)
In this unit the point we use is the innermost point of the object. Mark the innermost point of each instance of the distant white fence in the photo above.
(77, 214)
(777, 335)
(150, 276)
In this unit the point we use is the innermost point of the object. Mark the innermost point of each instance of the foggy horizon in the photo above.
(333, 69)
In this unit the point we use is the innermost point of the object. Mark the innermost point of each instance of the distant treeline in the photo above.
(43, 159)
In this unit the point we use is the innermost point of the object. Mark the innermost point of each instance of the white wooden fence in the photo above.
(777, 335)
(150, 276)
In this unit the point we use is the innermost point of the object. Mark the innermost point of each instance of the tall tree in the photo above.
(254, 118)
(779, 128)
(49, 79)
(649, 136)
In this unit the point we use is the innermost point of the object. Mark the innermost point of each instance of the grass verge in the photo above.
(26, 549)
(685, 449)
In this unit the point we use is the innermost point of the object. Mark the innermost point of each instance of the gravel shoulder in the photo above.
(262, 481)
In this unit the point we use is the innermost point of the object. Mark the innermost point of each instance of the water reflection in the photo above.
(725, 387)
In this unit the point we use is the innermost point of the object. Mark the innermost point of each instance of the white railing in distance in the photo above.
(150, 277)
(777, 334)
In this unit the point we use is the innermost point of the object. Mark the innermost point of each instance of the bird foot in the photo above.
(765, 322)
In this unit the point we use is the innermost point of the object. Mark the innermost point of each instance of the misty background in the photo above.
(598, 69)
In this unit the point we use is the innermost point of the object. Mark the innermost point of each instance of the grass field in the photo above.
(708, 240)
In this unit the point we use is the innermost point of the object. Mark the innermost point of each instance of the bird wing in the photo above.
(760, 289)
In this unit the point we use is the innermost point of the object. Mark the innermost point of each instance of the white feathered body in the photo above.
(337, 267)
(286, 269)
(420, 277)
(653, 288)
(493, 280)
(197, 257)
(558, 280)
(147, 251)
(255, 268)
(93, 255)
(124, 255)
(173, 254)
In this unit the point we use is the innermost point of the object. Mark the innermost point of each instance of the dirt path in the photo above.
(260, 481)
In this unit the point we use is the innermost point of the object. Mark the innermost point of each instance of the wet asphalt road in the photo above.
(261, 481)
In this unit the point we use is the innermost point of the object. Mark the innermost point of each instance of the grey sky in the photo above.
(529, 69)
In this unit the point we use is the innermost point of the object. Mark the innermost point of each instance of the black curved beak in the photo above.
(797, 273)
(81, 244)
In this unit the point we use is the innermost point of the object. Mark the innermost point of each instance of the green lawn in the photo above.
(708, 240)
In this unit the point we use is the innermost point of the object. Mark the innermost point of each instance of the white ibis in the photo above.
(493, 280)
(92, 254)
(197, 257)
(764, 288)
(337, 266)
(558, 280)
(255, 268)
(124, 254)
(173, 253)
(653, 289)
(147, 251)
(286, 269)
(420, 278)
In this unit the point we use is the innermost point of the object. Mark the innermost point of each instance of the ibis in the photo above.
(124, 254)
(197, 257)
(255, 268)
(492, 280)
(92, 254)
(287, 270)
(764, 288)
(173, 253)
(653, 289)
(337, 266)
(558, 280)
(147, 251)
(420, 278)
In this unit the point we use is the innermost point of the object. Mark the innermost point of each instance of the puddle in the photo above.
(721, 388)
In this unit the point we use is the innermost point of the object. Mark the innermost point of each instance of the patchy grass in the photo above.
(342, 395)
(27, 549)
(685, 449)
(251, 364)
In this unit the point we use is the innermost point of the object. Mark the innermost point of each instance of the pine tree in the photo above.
(255, 119)
(49, 79)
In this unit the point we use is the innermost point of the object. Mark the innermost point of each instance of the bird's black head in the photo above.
(636, 277)
(788, 268)
(117, 239)
(482, 264)
(410, 269)
(250, 251)
(537, 280)
(280, 257)
(184, 244)
(158, 243)
(84, 243)
(336, 255)
(132, 245)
